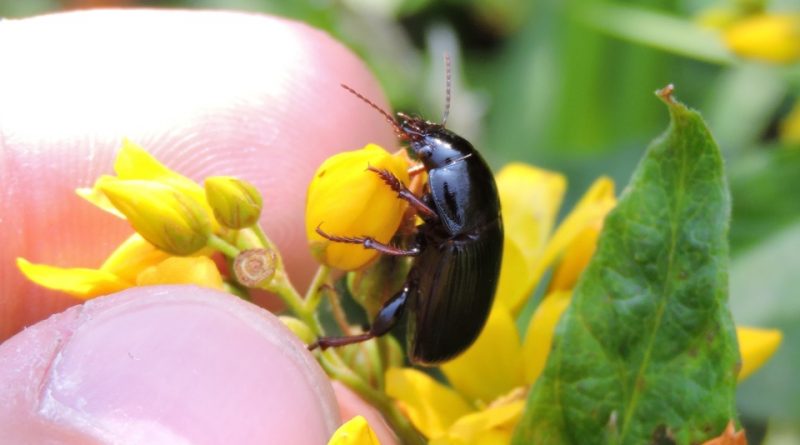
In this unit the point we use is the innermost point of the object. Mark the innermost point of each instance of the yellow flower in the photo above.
(355, 431)
(160, 213)
(345, 199)
(134, 262)
(135, 163)
(167, 209)
(768, 37)
(484, 401)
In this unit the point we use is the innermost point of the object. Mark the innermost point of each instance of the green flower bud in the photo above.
(165, 217)
(236, 203)
(298, 328)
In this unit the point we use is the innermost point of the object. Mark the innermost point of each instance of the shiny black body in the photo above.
(457, 251)
(455, 275)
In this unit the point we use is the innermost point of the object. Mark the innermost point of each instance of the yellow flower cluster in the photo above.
(174, 217)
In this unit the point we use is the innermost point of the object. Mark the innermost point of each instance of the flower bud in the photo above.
(236, 203)
(298, 328)
(345, 199)
(166, 218)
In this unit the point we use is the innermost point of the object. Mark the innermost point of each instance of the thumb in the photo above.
(163, 364)
(206, 92)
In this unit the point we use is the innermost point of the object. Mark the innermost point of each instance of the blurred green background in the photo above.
(568, 85)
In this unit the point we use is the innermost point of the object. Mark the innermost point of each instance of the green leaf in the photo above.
(647, 351)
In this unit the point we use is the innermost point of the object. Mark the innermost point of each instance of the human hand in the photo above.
(207, 93)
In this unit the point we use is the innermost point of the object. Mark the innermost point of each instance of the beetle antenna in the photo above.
(447, 89)
(399, 131)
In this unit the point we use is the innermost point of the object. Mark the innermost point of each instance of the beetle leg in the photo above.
(403, 192)
(370, 243)
(390, 313)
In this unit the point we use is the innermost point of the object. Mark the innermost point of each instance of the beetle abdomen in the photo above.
(457, 281)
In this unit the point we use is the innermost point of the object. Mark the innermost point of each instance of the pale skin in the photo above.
(209, 94)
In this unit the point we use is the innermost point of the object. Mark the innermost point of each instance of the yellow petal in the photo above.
(476, 373)
(134, 162)
(345, 199)
(431, 406)
(539, 335)
(756, 346)
(515, 275)
(355, 431)
(590, 210)
(133, 256)
(163, 215)
(493, 425)
(576, 257)
(491, 437)
(769, 37)
(200, 270)
(98, 198)
(79, 282)
(530, 198)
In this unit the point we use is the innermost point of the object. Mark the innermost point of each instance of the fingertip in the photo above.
(167, 364)
(236, 94)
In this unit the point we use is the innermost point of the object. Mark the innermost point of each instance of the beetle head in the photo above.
(433, 144)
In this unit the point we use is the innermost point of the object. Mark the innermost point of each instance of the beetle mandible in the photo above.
(457, 250)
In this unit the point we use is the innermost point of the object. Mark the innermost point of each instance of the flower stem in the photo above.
(227, 249)
(266, 242)
(282, 286)
(314, 293)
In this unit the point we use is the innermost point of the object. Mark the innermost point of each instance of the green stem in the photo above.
(266, 242)
(375, 363)
(228, 249)
(281, 286)
(314, 293)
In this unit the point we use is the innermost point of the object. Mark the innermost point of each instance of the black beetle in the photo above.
(458, 249)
